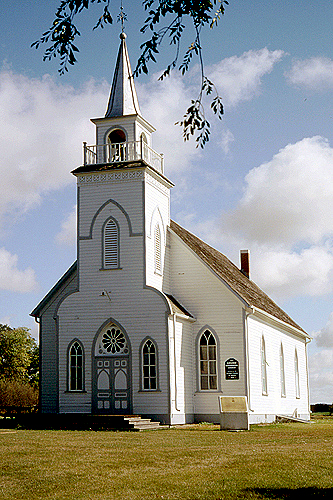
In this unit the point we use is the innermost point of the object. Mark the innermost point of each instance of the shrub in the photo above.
(14, 393)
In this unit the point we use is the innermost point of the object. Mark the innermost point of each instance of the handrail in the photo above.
(122, 152)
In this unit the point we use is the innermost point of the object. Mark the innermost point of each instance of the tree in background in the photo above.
(19, 367)
(166, 19)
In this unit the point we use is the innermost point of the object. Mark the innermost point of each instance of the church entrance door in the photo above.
(111, 373)
(112, 391)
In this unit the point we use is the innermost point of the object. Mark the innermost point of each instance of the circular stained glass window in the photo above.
(114, 341)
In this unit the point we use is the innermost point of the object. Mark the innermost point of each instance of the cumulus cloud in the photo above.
(240, 78)
(11, 278)
(42, 126)
(321, 376)
(290, 198)
(287, 273)
(324, 338)
(67, 233)
(163, 104)
(315, 73)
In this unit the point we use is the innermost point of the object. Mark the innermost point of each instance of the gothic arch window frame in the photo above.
(297, 380)
(143, 365)
(70, 366)
(116, 265)
(263, 362)
(157, 249)
(108, 325)
(211, 331)
(282, 372)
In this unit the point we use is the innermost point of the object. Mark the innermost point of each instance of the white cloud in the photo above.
(324, 338)
(163, 104)
(321, 376)
(286, 273)
(239, 78)
(290, 198)
(11, 278)
(226, 139)
(42, 126)
(67, 234)
(315, 73)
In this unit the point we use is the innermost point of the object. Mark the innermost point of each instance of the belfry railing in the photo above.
(122, 152)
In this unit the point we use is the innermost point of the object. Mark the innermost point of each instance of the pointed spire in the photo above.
(123, 99)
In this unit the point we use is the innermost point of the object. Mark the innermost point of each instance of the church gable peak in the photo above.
(123, 98)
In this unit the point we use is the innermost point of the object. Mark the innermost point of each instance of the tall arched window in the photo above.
(208, 364)
(282, 374)
(297, 386)
(76, 361)
(263, 367)
(111, 245)
(157, 249)
(149, 366)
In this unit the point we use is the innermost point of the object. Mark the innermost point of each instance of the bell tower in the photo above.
(122, 180)
(123, 126)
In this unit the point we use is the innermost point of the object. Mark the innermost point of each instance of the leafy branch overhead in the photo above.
(201, 13)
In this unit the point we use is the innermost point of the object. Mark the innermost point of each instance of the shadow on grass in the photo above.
(289, 494)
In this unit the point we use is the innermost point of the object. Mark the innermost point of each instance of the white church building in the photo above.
(150, 320)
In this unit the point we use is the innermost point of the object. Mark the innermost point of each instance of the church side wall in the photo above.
(216, 308)
(264, 407)
(49, 349)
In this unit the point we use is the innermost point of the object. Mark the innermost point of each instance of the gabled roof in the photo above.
(123, 99)
(69, 274)
(246, 289)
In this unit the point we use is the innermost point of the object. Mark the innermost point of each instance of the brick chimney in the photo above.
(245, 262)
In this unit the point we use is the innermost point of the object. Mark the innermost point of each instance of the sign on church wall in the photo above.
(231, 366)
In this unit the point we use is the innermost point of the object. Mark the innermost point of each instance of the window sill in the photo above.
(75, 392)
(209, 391)
(144, 391)
(110, 268)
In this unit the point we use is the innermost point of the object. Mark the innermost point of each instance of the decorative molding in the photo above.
(109, 176)
(156, 184)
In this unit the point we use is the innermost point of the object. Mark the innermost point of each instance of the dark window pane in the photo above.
(203, 352)
(213, 382)
(204, 367)
(204, 382)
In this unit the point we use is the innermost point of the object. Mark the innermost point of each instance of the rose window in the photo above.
(113, 342)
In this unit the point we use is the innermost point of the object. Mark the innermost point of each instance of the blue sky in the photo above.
(263, 182)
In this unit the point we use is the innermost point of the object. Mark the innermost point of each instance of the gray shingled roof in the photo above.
(232, 276)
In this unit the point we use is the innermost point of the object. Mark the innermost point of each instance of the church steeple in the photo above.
(123, 99)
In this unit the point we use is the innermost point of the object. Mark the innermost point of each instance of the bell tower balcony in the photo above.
(122, 152)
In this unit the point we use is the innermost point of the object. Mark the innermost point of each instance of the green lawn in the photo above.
(197, 462)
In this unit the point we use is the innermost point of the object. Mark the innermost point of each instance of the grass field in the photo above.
(277, 461)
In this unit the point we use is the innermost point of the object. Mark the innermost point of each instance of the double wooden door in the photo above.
(111, 391)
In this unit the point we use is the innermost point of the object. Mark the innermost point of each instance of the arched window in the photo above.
(76, 361)
(149, 366)
(263, 367)
(111, 245)
(282, 374)
(157, 249)
(208, 365)
(116, 141)
(297, 386)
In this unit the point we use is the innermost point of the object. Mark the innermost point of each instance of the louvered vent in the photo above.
(157, 238)
(111, 246)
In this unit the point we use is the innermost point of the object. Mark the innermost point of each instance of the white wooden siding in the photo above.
(265, 407)
(140, 311)
(213, 305)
